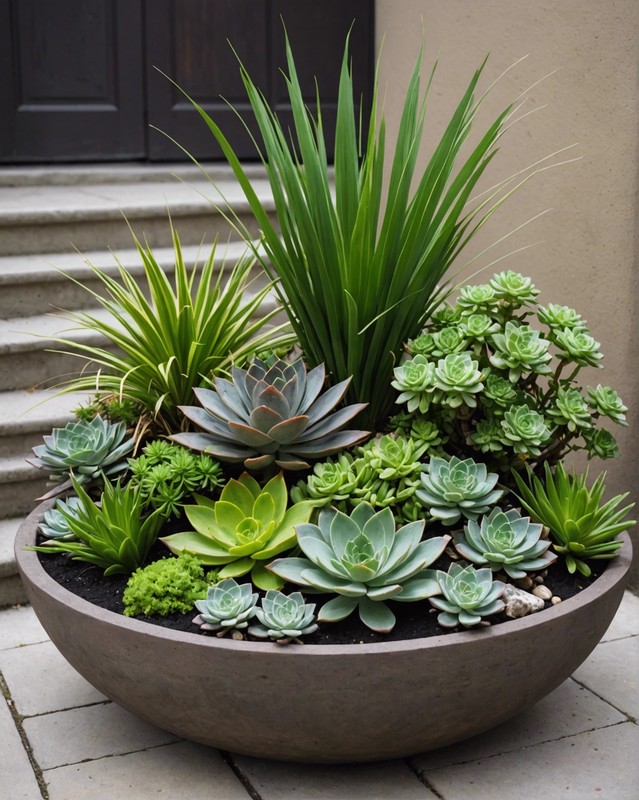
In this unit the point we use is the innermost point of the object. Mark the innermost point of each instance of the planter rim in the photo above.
(30, 566)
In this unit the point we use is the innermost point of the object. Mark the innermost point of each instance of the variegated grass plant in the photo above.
(360, 276)
(176, 338)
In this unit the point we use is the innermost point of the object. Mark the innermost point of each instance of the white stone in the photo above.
(520, 603)
(543, 592)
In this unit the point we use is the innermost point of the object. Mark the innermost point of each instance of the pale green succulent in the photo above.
(422, 345)
(271, 414)
(242, 530)
(601, 443)
(365, 561)
(519, 349)
(477, 299)
(560, 317)
(415, 380)
(377, 492)
(514, 288)
(444, 316)
(84, 449)
(479, 327)
(55, 523)
(452, 488)
(578, 346)
(394, 457)
(458, 380)
(499, 393)
(607, 402)
(487, 436)
(524, 430)
(428, 434)
(505, 541)
(570, 410)
(228, 606)
(330, 481)
(449, 340)
(469, 595)
(580, 525)
(284, 617)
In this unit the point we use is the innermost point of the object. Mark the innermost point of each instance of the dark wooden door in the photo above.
(80, 79)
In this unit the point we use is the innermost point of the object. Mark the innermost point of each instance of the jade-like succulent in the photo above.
(284, 617)
(504, 540)
(601, 444)
(457, 380)
(578, 346)
(581, 526)
(427, 434)
(55, 522)
(380, 493)
(479, 327)
(560, 317)
(228, 606)
(84, 449)
(607, 402)
(415, 380)
(524, 430)
(364, 560)
(469, 595)
(520, 348)
(477, 299)
(452, 488)
(514, 288)
(444, 316)
(271, 414)
(570, 410)
(242, 530)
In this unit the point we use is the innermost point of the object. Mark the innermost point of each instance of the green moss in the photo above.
(165, 587)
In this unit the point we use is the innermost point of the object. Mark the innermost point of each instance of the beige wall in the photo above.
(589, 242)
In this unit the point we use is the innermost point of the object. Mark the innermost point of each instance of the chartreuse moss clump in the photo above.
(167, 586)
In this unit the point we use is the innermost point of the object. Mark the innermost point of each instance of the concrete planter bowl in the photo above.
(321, 703)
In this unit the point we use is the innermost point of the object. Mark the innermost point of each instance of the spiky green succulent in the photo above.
(524, 430)
(458, 380)
(607, 402)
(415, 381)
(284, 617)
(519, 349)
(84, 449)
(571, 410)
(452, 488)
(578, 346)
(469, 595)
(505, 541)
(242, 530)
(514, 288)
(271, 414)
(561, 317)
(228, 605)
(601, 444)
(55, 522)
(365, 561)
(581, 525)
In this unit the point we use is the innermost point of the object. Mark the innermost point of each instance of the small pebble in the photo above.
(542, 592)
(554, 600)
(525, 583)
(538, 580)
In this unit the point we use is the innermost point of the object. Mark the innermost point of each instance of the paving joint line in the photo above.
(17, 721)
(423, 779)
(64, 710)
(628, 716)
(111, 755)
(228, 759)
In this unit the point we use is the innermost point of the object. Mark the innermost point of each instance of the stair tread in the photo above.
(39, 332)
(8, 530)
(24, 411)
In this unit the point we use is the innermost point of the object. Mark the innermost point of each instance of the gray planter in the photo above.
(319, 703)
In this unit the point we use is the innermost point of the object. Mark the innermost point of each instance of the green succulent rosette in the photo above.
(457, 380)
(415, 381)
(607, 402)
(428, 435)
(444, 316)
(330, 482)
(601, 444)
(560, 317)
(479, 327)
(422, 345)
(228, 606)
(55, 522)
(524, 430)
(477, 299)
(487, 436)
(571, 410)
(519, 349)
(393, 457)
(578, 346)
(468, 595)
(449, 340)
(284, 617)
(513, 288)
(499, 393)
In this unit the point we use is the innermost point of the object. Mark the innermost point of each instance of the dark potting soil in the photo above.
(414, 620)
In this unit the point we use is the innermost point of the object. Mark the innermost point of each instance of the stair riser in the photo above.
(18, 496)
(19, 445)
(36, 369)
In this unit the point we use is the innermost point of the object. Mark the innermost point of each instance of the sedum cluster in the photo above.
(496, 375)
(167, 586)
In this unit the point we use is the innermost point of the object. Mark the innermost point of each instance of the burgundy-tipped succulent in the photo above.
(271, 414)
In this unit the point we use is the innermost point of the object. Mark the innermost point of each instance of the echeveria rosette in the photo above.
(393, 457)
(601, 443)
(284, 617)
(444, 316)
(330, 482)
(365, 561)
(427, 434)
(560, 317)
(477, 299)
(457, 380)
(571, 410)
(422, 345)
(514, 289)
(505, 541)
(449, 340)
(520, 349)
(524, 430)
(479, 327)
(242, 530)
(452, 488)
(499, 393)
(55, 522)
(228, 606)
(487, 436)
(578, 346)
(415, 381)
(84, 449)
(271, 414)
(469, 595)
(607, 402)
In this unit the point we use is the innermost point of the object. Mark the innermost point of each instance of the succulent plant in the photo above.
(457, 380)
(415, 380)
(477, 299)
(247, 526)
(607, 402)
(422, 345)
(427, 434)
(601, 443)
(499, 393)
(581, 526)
(228, 606)
(504, 540)
(364, 561)
(570, 410)
(452, 488)
(520, 348)
(168, 586)
(524, 430)
(84, 449)
(55, 522)
(449, 340)
(479, 327)
(560, 317)
(514, 288)
(394, 457)
(271, 414)
(578, 346)
(330, 482)
(469, 595)
(487, 436)
(284, 617)
(444, 316)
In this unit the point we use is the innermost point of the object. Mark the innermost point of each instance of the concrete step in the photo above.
(91, 216)
(20, 486)
(37, 283)
(11, 589)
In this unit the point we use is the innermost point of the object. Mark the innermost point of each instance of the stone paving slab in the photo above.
(612, 672)
(273, 780)
(181, 771)
(20, 626)
(626, 621)
(600, 765)
(66, 737)
(41, 680)
(17, 780)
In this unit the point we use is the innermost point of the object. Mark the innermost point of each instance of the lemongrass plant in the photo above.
(176, 338)
(360, 276)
